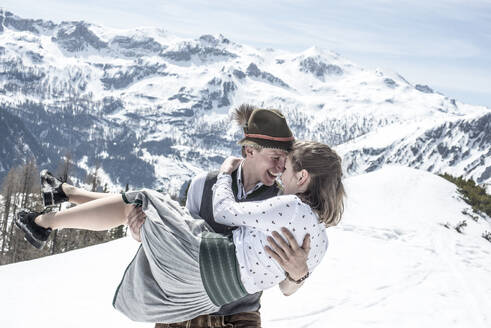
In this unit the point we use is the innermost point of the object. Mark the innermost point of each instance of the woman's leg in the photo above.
(100, 214)
(79, 196)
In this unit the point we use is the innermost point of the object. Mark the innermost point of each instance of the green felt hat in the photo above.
(267, 128)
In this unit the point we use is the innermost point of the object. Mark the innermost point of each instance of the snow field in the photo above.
(390, 263)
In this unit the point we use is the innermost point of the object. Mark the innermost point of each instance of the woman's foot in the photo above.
(34, 233)
(51, 189)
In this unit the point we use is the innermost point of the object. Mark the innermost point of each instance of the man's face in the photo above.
(267, 163)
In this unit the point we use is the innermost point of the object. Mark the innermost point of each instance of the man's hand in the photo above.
(136, 218)
(291, 257)
(230, 164)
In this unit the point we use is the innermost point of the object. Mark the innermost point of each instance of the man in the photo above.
(266, 143)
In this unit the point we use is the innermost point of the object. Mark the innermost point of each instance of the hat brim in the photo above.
(282, 145)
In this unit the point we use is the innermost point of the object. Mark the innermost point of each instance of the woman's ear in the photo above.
(303, 178)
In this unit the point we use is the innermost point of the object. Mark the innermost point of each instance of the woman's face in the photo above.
(289, 178)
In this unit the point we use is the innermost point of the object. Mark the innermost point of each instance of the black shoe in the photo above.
(51, 189)
(34, 233)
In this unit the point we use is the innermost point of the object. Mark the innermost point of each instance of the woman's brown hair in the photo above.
(325, 192)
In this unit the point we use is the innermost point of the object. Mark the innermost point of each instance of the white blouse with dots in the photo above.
(256, 220)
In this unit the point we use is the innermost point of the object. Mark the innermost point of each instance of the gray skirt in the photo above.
(163, 281)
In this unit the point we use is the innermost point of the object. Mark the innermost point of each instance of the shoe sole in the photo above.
(48, 197)
(27, 235)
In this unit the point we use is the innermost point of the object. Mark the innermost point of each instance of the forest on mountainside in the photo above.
(20, 189)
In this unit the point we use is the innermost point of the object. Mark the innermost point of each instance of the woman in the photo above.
(187, 269)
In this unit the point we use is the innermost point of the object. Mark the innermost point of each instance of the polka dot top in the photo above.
(255, 221)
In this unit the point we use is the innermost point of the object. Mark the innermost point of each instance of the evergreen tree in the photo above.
(8, 192)
(472, 193)
(26, 195)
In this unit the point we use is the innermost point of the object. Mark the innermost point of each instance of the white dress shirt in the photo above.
(258, 219)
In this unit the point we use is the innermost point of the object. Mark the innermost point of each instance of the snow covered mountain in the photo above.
(391, 262)
(152, 109)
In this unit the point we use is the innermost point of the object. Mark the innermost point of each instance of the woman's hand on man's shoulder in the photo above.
(230, 164)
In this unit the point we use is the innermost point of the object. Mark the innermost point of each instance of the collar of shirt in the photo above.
(241, 193)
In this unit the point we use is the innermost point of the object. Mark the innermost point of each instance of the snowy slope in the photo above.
(74, 289)
(390, 263)
(152, 108)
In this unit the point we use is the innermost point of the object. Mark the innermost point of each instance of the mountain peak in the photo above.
(16, 23)
(152, 102)
(77, 36)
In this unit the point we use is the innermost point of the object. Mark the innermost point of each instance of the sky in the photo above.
(443, 44)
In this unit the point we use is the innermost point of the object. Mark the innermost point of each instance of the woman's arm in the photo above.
(266, 215)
